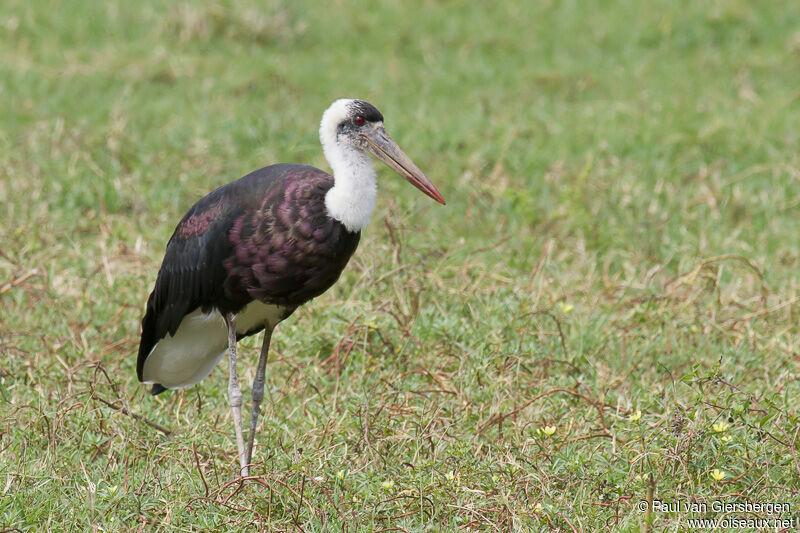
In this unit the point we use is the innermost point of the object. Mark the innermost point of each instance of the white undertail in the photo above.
(192, 353)
(352, 197)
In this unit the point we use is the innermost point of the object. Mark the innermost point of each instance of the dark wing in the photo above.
(192, 272)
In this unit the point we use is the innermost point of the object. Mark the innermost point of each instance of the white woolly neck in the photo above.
(352, 197)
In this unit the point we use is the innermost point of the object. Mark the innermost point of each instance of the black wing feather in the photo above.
(192, 274)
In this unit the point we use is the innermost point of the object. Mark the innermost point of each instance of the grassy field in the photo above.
(606, 310)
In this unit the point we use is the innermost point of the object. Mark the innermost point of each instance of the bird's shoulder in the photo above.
(254, 192)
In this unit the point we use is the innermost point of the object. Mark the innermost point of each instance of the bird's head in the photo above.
(357, 126)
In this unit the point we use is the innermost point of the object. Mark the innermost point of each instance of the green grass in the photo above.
(622, 235)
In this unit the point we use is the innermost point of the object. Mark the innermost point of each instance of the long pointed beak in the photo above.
(384, 148)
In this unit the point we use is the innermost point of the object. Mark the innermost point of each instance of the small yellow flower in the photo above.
(720, 427)
(717, 474)
(549, 430)
(634, 417)
(725, 438)
(565, 308)
(450, 476)
(538, 508)
(388, 484)
(340, 475)
(495, 478)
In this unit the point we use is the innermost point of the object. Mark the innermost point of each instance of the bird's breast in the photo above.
(289, 250)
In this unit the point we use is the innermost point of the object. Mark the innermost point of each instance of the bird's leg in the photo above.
(234, 393)
(258, 391)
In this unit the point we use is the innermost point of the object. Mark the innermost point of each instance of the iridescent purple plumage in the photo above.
(277, 259)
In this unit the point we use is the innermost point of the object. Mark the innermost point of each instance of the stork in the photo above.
(248, 254)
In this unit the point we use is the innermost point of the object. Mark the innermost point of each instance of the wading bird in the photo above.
(251, 252)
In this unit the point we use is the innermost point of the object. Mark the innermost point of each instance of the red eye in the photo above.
(359, 120)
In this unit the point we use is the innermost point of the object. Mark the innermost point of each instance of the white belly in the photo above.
(201, 340)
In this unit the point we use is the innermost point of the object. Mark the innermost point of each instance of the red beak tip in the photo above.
(436, 195)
